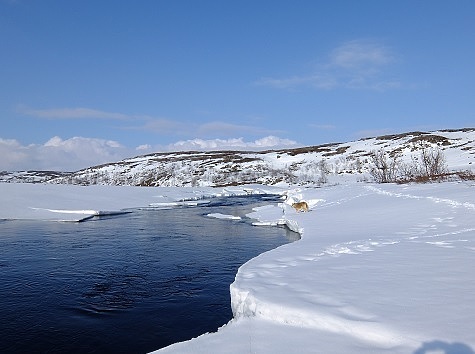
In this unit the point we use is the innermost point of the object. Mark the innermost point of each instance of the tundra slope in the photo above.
(305, 165)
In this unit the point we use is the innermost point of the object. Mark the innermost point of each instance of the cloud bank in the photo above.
(79, 152)
(58, 154)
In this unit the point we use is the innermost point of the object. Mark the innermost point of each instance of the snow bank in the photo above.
(379, 268)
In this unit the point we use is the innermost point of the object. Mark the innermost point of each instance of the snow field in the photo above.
(379, 268)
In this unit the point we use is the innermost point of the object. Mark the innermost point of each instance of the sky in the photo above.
(89, 82)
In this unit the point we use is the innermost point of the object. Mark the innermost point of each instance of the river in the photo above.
(125, 284)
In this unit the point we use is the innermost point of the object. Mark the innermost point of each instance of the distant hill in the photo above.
(305, 165)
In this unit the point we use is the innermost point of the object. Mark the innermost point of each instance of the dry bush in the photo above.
(466, 175)
(384, 168)
(449, 176)
(433, 162)
(430, 165)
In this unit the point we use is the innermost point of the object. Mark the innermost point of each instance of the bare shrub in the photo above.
(429, 165)
(384, 168)
(433, 162)
(466, 175)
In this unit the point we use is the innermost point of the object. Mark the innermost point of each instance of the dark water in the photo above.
(128, 284)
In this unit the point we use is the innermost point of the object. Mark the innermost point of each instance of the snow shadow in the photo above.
(441, 347)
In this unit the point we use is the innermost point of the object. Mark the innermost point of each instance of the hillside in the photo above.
(306, 165)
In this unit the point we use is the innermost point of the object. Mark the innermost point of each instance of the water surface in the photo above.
(124, 284)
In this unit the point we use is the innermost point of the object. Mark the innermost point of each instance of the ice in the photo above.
(379, 268)
(223, 216)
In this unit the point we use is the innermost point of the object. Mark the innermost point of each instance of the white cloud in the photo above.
(13, 154)
(144, 147)
(269, 142)
(60, 155)
(274, 142)
(357, 64)
(361, 54)
(72, 113)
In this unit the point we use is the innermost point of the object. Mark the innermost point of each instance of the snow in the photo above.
(223, 216)
(336, 162)
(379, 268)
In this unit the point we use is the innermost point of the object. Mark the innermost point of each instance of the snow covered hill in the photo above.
(305, 165)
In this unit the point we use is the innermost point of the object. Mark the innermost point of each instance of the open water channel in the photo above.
(132, 283)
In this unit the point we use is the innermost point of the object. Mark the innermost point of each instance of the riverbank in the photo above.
(379, 268)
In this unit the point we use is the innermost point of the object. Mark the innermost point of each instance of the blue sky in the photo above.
(87, 82)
